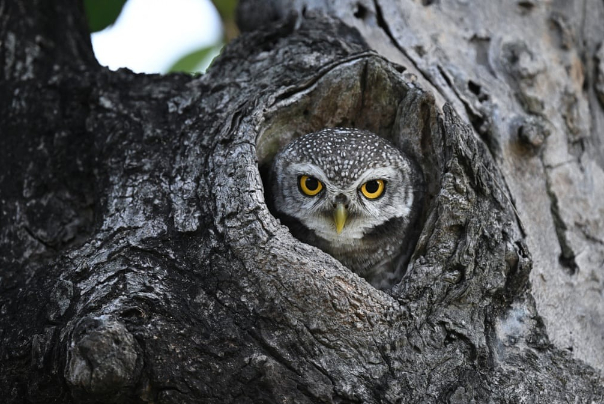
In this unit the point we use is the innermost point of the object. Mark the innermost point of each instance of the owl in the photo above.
(351, 194)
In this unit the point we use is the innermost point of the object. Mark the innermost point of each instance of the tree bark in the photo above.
(140, 262)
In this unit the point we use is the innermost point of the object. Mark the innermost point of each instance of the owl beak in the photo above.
(340, 214)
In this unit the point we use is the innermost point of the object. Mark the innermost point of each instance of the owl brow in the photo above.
(380, 173)
(310, 170)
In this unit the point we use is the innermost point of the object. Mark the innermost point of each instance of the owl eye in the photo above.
(373, 189)
(309, 185)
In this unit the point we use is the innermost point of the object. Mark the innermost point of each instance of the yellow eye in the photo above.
(373, 189)
(309, 185)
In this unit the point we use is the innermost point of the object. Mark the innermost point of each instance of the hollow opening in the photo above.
(368, 94)
(361, 12)
(474, 87)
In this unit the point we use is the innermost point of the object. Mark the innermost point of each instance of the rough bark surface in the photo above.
(141, 264)
(528, 76)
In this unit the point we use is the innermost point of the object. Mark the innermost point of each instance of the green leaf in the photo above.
(190, 62)
(102, 13)
(226, 8)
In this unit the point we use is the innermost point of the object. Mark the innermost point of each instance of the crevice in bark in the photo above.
(567, 255)
(478, 117)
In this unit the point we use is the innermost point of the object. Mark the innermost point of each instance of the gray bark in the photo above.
(140, 262)
(528, 76)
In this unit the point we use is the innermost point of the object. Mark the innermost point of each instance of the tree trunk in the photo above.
(140, 262)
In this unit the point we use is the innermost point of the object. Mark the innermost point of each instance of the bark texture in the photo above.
(528, 77)
(140, 262)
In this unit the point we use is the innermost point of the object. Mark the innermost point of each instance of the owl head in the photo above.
(342, 184)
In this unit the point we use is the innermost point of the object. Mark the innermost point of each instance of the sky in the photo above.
(150, 35)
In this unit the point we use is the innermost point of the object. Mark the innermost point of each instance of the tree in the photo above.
(141, 264)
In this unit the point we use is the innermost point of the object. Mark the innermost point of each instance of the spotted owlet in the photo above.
(351, 194)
